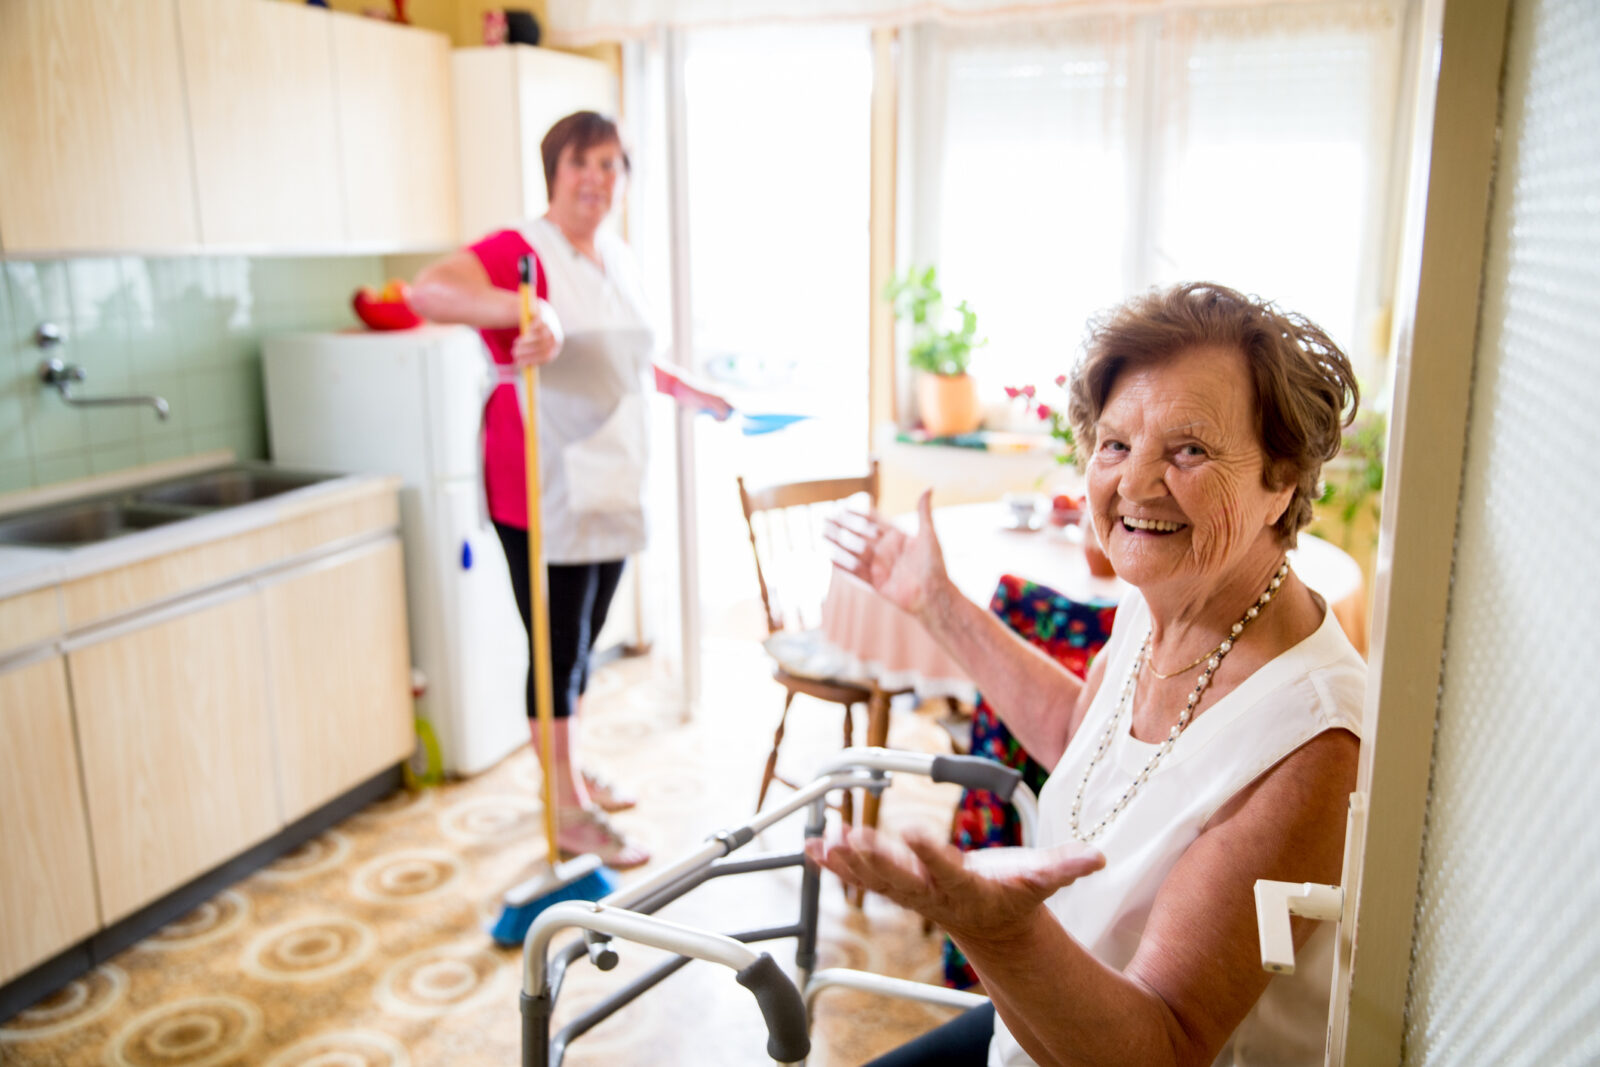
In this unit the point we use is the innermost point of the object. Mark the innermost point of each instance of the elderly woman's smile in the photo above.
(1176, 472)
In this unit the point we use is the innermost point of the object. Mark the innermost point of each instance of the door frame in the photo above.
(1460, 53)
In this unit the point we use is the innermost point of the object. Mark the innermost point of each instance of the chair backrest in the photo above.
(792, 559)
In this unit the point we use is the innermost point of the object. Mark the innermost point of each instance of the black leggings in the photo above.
(580, 596)
(961, 1042)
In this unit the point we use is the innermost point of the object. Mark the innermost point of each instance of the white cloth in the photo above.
(592, 410)
(1317, 685)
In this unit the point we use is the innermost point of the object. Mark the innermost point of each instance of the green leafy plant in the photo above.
(1055, 416)
(1356, 492)
(935, 348)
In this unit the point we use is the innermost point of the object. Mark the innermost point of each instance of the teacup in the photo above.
(1022, 507)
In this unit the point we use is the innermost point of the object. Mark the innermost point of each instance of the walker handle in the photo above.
(781, 1006)
(976, 772)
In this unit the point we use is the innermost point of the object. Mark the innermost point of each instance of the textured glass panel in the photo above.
(1506, 966)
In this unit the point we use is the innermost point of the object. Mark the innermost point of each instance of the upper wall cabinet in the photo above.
(397, 147)
(163, 126)
(506, 98)
(266, 146)
(94, 151)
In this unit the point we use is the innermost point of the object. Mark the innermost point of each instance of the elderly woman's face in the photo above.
(1175, 481)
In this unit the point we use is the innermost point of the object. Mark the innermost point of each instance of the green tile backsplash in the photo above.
(187, 329)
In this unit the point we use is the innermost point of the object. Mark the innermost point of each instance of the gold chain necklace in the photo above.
(1212, 663)
(1188, 666)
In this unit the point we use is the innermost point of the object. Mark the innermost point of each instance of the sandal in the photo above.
(606, 795)
(589, 830)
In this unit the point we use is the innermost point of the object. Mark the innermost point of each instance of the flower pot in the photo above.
(948, 403)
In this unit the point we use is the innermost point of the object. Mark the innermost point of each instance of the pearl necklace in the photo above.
(1193, 700)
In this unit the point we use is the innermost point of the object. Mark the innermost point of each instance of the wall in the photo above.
(188, 329)
(1504, 948)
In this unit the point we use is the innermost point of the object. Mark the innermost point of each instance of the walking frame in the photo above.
(628, 915)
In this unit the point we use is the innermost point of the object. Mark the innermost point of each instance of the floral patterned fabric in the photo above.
(1069, 632)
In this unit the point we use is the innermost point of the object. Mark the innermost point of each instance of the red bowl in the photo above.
(385, 314)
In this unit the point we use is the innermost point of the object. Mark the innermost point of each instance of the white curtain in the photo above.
(1059, 166)
(1273, 135)
(575, 22)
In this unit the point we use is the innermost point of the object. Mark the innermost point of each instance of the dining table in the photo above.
(864, 639)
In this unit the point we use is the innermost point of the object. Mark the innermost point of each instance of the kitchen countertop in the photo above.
(24, 569)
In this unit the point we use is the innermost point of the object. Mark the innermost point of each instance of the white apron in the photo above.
(593, 416)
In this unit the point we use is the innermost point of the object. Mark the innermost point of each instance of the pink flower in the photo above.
(1044, 411)
(1027, 391)
(1061, 381)
(1012, 392)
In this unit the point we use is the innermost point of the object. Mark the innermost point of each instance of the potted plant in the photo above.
(1353, 486)
(941, 350)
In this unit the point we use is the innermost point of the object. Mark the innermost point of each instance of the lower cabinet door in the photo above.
(341, 673)
(177, 750)
(46, 878)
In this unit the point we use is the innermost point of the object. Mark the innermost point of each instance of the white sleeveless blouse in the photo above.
(1317, 685)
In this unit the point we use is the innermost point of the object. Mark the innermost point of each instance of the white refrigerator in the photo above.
(409, 403)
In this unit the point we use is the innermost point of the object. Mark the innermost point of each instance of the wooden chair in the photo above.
(793, 565)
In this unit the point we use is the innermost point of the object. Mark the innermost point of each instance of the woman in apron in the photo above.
(594, 340)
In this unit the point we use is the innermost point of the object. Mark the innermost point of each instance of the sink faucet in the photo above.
(53, 372)
(62, 376)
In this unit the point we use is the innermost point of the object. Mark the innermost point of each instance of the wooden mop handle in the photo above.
(538, 591)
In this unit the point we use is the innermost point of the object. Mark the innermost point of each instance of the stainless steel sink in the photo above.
(82, 524)
(226, 488)
(101, 518)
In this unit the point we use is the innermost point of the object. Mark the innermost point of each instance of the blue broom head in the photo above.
(511, 928)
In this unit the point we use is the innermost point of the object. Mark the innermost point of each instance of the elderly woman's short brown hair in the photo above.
(580, 131)
(1306, 390)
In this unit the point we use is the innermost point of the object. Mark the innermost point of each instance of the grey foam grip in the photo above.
(781, 1006)
(975, 772)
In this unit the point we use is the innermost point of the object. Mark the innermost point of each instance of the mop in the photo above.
(583, 877)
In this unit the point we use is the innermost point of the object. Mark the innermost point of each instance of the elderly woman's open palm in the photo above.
(992, 893)
(906, 569)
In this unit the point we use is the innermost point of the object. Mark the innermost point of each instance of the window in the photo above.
(778, 189)
(1058, 168)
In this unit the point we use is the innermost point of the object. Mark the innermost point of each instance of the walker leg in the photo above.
(805, 952)
(535, 1031)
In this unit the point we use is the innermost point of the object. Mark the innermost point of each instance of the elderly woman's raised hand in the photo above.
(906, 569)
(991, 893)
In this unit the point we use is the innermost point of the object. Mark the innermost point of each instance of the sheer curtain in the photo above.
(1060, 166)
(1034, 188)
(1272, 152)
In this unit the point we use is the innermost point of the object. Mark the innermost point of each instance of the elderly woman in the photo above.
(1213, 743)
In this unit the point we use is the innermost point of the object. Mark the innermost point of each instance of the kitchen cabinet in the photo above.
(232, 680)
(397, 148)
(47, 898)
(94, 150)
(161, 126)
(177, 748)
(506, 99)
(266, 147)
(341, 677)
